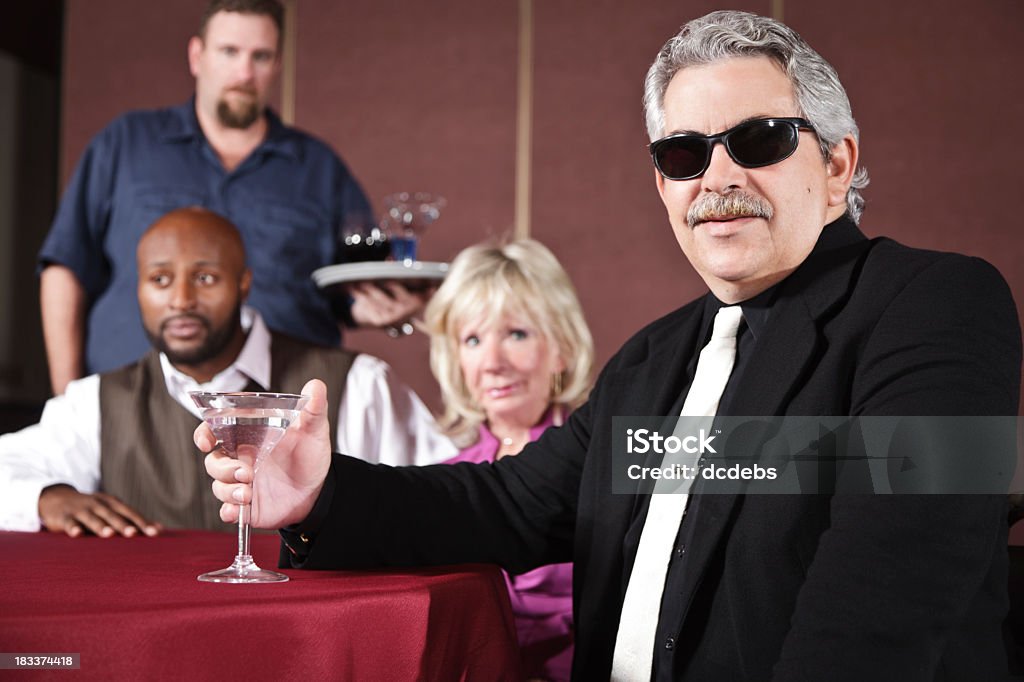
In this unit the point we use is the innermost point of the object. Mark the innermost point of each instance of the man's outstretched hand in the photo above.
(290, 477)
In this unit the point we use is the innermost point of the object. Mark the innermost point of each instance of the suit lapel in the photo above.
(652, 386)
(648, 388)
(781, 357)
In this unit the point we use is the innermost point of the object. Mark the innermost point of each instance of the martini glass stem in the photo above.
(243, 536)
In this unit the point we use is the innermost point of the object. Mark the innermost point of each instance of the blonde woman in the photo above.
(513, 355)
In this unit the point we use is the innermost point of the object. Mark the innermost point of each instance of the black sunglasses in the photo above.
(751, 144)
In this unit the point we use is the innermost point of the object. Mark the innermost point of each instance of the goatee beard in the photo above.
(241, 117)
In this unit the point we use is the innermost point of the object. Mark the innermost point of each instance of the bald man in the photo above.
(114, 454)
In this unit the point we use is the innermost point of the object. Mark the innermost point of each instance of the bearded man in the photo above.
(225, 149)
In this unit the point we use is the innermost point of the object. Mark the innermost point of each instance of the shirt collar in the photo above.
(491, 441)
(254, 360)
(183, 126)
(756, 311)
(280, 138)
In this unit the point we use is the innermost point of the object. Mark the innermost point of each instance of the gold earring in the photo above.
(556, 384)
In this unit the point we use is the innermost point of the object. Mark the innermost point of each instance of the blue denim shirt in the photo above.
(290, 199)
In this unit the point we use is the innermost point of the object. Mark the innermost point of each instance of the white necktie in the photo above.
(634, 643)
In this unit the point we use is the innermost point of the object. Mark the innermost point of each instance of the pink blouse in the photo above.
(541, 598)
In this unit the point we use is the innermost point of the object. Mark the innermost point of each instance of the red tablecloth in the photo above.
(133, 609)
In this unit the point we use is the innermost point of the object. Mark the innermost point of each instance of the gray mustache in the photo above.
(736, 204)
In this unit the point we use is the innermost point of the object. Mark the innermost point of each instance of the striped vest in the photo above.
(147, 457)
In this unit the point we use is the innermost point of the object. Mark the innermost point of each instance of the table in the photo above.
(133, 609)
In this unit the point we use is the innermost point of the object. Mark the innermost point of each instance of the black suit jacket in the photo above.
(806, 587)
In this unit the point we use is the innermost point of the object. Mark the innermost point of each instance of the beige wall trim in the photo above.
(524, 119)
(777, 10)
(288, 62)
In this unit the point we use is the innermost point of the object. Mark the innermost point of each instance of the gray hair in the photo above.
(725, 34)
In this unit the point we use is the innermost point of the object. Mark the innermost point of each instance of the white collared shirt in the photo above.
(380, 419)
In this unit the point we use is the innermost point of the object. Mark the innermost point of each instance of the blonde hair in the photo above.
(485, 282)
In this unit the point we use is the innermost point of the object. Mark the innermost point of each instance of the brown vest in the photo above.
(147, 457)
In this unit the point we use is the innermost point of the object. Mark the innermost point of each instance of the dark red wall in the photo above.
(422, 96)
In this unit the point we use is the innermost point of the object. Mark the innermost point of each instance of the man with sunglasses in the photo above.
(755, 151)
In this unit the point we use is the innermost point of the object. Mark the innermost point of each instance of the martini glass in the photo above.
(408, 215)
(247, 426)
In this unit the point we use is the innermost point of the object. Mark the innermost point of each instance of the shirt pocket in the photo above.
(289, 240)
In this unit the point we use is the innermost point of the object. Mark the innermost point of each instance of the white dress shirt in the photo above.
(380, 419)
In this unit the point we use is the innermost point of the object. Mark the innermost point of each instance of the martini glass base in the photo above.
(244, 570)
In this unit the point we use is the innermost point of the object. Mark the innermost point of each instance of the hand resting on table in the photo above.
(62, 509)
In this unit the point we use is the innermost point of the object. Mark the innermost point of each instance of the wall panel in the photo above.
(416, 97)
